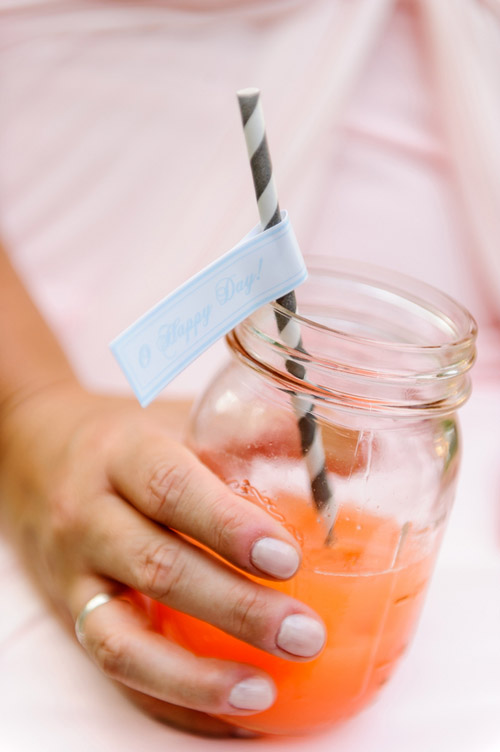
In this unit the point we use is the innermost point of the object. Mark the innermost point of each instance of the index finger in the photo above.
(166, 482)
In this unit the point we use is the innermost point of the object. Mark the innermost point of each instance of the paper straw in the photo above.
(269, 212)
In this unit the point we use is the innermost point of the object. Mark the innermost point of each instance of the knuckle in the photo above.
(211, 690)
(94, 436)
(249, 613)
(161, 571)
(228, 524)
(65, 519)
(166, 486)
(113, 656)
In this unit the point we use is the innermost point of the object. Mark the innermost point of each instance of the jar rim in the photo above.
(362, 324)
(384, 275)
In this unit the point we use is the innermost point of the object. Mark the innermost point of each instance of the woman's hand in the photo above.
(98, 495)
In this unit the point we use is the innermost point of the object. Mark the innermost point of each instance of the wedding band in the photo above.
(98, 600)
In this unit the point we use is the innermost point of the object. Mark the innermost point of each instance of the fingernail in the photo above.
(243, 733)
(301, 635)
(275, 557)
(252, 694)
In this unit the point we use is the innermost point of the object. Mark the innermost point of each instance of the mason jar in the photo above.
(350, 438)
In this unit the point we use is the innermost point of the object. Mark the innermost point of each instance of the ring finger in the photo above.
(119, 638)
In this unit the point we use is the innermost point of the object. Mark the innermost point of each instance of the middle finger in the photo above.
(164, 566)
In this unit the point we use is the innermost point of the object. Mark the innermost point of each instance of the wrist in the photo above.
(28, 397)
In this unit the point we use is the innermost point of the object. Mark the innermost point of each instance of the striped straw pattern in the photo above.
(269, 213)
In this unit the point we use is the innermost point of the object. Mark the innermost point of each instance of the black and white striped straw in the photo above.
(269, 212)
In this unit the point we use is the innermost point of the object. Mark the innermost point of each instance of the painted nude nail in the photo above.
(300, 635)
(275, 557)
(243, 733)
(254, 693)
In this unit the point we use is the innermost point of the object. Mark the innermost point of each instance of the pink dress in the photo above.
(123, 171)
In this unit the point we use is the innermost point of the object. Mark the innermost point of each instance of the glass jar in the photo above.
(381, 370)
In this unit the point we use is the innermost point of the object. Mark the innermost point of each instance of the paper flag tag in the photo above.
(158, 346)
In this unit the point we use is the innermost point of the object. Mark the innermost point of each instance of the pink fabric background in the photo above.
(123, 168)
(122, 171)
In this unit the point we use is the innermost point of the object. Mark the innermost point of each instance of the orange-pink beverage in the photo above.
(368, 587)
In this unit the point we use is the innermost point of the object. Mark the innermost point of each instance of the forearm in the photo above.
(31, 359)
